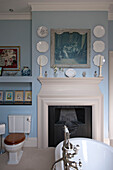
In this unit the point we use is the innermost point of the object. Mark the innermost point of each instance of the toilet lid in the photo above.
(14, 138)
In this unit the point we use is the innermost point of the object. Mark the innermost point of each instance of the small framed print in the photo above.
(0, 71)
(1, 96)
(19, 96)
(10, 58)
(28, 96)
(9, 96)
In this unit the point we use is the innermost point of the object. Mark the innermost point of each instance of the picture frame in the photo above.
(1, 96)
(1, 71)
(19, 95)
(9, 96)
(10, 58)
(70, 48)
(28, 96)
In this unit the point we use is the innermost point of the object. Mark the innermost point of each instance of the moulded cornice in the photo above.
(15, 16)
(110, 16)
(60, 6)
(81, 6)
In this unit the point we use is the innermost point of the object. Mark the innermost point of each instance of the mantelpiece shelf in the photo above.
(69, 81)
(16, 79)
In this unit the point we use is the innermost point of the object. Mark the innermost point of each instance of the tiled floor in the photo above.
(32, 159)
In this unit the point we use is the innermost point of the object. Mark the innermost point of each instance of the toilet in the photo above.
(19, 125)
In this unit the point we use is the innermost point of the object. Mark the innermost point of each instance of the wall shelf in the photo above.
(16, 79)
(13, 103)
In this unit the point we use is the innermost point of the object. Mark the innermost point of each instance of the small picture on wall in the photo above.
(10, 58)
(28, 96)
(1, 96)
(9, 96)
(18, 96)
(0, 71)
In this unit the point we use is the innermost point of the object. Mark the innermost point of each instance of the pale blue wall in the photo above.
(110, 35)
(14, 33)
(77, 20)
(17, 33)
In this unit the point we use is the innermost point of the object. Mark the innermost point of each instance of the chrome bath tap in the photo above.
(69, 151)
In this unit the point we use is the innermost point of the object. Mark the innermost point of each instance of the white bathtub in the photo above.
(94, 155)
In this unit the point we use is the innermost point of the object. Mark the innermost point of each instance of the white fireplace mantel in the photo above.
(70, 91)
(70, 81)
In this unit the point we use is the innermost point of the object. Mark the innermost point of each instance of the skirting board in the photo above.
(111, 143)
(107, 141)
(32, 142)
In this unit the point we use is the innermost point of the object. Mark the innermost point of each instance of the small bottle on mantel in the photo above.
(95, 73)
(84, 74)
(45, 74)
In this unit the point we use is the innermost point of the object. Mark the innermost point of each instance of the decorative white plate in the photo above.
(98, 60)
(42, 60)
(42, 46)
(98, 46)
(42, 31)
(70, 73)
(99, 31)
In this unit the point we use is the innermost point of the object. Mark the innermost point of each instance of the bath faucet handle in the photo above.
(78, 147)
(70, 155)
(80, 163)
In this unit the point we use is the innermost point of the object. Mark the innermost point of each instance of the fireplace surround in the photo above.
(70, 92)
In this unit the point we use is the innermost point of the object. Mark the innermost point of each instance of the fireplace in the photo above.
(70, 92)
(78, 119)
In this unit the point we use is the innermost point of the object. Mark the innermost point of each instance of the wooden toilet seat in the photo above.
(14, 138)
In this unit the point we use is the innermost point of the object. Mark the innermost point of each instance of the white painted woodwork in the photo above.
(111, 95)
(70, 91)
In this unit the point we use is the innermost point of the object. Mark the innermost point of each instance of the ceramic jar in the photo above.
(26, 71)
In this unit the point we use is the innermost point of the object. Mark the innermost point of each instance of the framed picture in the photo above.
(70, 48)
(9, 96)
(1, 96)
(19, 96)
(28, 96)
(0, 71)
(10, 58)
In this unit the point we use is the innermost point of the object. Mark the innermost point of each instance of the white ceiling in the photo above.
(20, 6)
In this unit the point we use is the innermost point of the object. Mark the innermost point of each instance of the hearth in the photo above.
(78, 119)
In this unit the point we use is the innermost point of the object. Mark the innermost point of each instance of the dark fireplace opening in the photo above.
(78, 119)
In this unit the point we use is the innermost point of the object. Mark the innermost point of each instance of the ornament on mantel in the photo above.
(45, 74)
(55, 71)
(84, 74)
(95, 74)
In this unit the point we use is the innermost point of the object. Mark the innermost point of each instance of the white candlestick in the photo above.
(100, 60)
(100, 71)
(40, 71)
